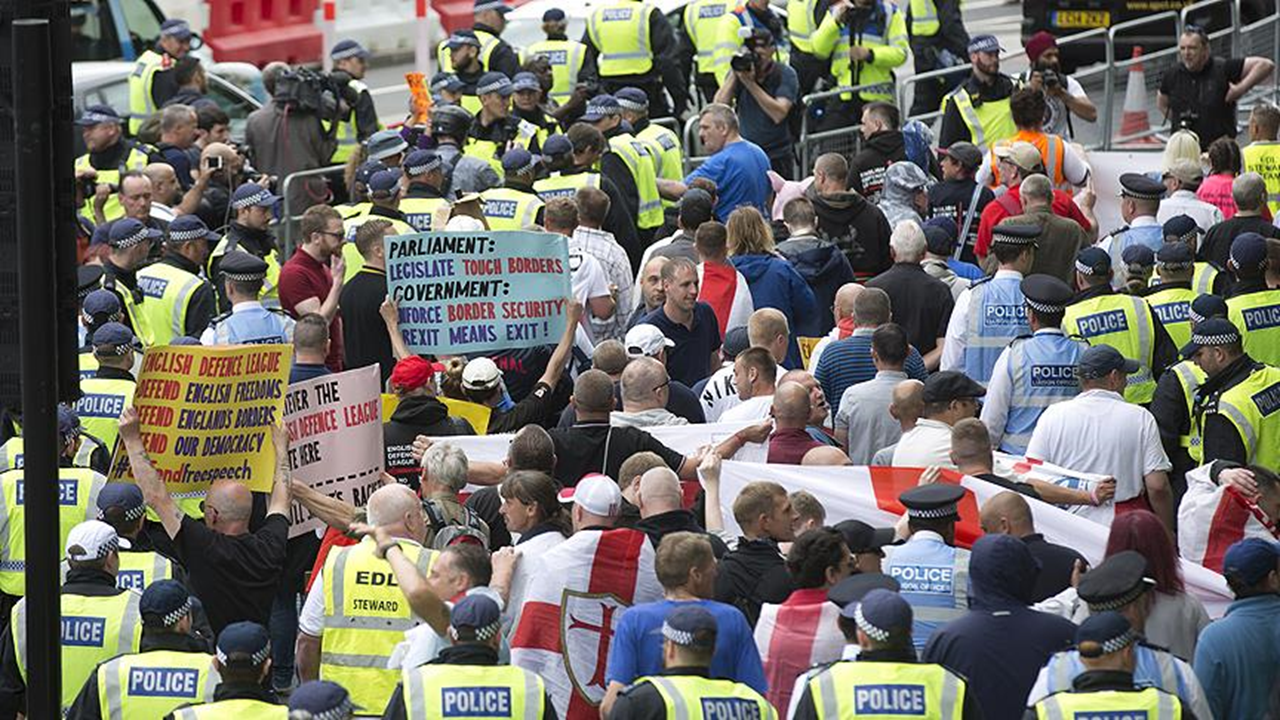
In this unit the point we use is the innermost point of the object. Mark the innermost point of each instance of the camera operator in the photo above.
(764, 92)
(288, 135)
(1065, 97)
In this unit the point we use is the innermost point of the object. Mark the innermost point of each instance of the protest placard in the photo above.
(335, 439)
(465, 292)
(206, 414)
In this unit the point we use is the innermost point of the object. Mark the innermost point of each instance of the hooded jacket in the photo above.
(824, 267)
(856, 226)
(901, 181)
(1002, 576)
(866, 172)
(774, 283)
(416, 415)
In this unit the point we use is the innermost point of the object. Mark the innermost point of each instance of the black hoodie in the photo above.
(824, 267)
(866, 171)
(416, 415)
(857, 227)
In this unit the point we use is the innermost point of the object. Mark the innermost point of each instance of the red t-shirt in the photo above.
(1063, 205)
(304, 277)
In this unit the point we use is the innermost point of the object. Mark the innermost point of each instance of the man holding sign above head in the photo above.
(248, 322)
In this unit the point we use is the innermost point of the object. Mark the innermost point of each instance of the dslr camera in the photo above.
(1049, 76)
(744, 60)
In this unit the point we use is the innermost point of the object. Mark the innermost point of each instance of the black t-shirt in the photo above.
(364, 336)
(1200, 98)
(582, 449)
(234, 577)
(921, 303)
(535, 409)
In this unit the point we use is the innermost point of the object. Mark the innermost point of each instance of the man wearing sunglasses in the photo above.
(1200, 91)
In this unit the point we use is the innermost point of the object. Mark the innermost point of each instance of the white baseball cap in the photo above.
(645, 340)
(93, 540)
(480, 374)
(597, 494)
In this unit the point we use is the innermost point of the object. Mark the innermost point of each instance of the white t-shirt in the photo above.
(928, 443)
(753, 410)
(1056, 117)
(720, 394)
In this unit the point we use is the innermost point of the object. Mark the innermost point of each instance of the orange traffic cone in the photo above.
(1134, 120)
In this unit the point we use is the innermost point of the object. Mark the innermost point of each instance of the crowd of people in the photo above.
(953, 309)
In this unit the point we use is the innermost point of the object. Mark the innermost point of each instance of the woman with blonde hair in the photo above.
(773, 282)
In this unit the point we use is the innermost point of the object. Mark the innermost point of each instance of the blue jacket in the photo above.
(824, 267)
(1238, 659)
(774, 283)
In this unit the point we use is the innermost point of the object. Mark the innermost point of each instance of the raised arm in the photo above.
(145, 475)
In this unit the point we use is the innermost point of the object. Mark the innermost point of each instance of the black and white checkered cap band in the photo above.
(1196, 318)
(1175, 265)
(527, 167)
(254, 659)
(177, 28)
(929, 513)
(873, 632)
(1185, 237)
(1119, 642)
(104, 550)
(1045, 307)
(433, 164)
(679, 637)
(341, 712)
(1085, 269)
(132, 241)
(97, 118)
(114, 350)
(244, 277)
(252, 200)
(1126, 192)
(185, 235)
(1215, 340)
(631, 105)
(1120, 601)
(177, 614)
(1001, 238)
(132, 514)
(352, 51)
(604, 110)
(481, 633)
(494, 86)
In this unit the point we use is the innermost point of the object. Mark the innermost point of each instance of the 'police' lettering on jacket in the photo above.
(163, 682)
(727, 708)
(131, 580)
(924, 578)
(68, 492)
(1103, 323)
(475, 701)
(1268, 401)
(152, 287)
(83, 631)
(1053, 376)
(1174, 312)
(1005, 316)
(889, 700)
(1260, 318)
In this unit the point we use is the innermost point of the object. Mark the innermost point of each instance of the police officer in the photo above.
(109, 156)
(978, 111)
(387, 147)
(468, 674)
(358, 204)
(248, 322)
(495, 128)
(151, 83)
(565, 55)
(321, 700)
(78, 489)
(1207, 278)
(631, 44)
(365, 615)
(464, 49)
(98, 308)
(1035, 370)
(89, 452)
(105, 395)
(1139, 202)
(627, 163)
(803, 19)
(178, 300)
(88, 279)
(515, 205)
(1252, 306)
(1174, 402)
(933, 572)
(446, 88)
(99, 620)
(991, 312)
(864, 40)
(1101, 316)
(130, 243)
(1106, 645)
(384, 204)
(361, 120)
(573, 161)
(495, 54)
(1139, 261)
(424, 193)
(464, 174)
(663, 144)
(1171, 295)
(879, 675)
(243, 664)
(121, 506)
(563, 176)
(1236, 403)
(527, 105)
(700, 23)
(249, 233)
(1122, 584)
(172, 667)
(689, 640)
(938, 40)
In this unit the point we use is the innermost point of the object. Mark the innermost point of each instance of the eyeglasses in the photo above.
(331, 233)
(663, 385)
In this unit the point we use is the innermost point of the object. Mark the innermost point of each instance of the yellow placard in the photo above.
(206, 414)
(474, 413)
(807, 344)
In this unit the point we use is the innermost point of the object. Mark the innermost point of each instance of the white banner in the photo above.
(335, 439)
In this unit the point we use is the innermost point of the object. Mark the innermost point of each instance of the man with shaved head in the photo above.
(842, 310)
(660, 498)
(645, 391)
(826, 455)
(905, 405)
(165, 190)
(790, 441)
(1008, 513)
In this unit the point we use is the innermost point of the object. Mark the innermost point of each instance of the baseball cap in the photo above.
(413, 372)
(940, 235)
(1185, 170)
(93, 540)
(128, 232)
(323, 700)
(645, 340)
(984, 43)
(1023, 155)
(862, 538)
(253, 195)
(480, 374)
(164, 603)
(1102, 360)
(494, 82)
(965, 153)
(525, 81)
(348, 49)
(597, 494)
(126, 497)
(736, 341)
(386, 143)
(1250, 559)
(601, 107)
(97, 115)
(850, 591)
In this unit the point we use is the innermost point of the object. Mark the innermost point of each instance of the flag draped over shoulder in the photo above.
(795, 636)
(1211, 518)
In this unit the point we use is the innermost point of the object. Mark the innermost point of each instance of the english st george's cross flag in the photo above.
(572, 604)
(1213, 517)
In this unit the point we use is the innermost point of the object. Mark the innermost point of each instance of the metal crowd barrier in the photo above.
(289, 216)
(846, 140)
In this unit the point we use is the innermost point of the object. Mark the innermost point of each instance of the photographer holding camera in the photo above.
(1064, 96)
(764, 92)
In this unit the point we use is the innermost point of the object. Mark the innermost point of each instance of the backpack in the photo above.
(447, 532)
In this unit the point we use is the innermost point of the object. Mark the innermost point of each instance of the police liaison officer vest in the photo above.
(935, 579)
(1042, 370)
(997, 315)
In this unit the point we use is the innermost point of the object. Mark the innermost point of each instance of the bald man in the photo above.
(1008, 513)
(826, 455)
(659, 495)
(646, 388)
(906, 405)
(819, 410)
(218, 176)
(842, 309)
(790, 440)
(233, 571)
(166, 191)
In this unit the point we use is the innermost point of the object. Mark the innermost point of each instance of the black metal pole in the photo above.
(33, 149)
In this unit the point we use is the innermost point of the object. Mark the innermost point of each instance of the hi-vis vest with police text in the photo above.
(153, 684)
(138, 569)
(12, 450)
(132, 305)
(168, 292)
(1263, 157)
(1153, 667)
(989, 122)
(1257, 316)
(111, 209)
(238, 709)
(253, 325)
(509, 209)
(78, 490)
(849, 689)
(997, 315)
(702, 26)
(488, 43)
(1253, 408)
(1042, 372)
(641, 167)
(1172, 308)
(1124, 323)
(351, 254)
(934, 577)
(689, 697)
(665, 152)
(100, 404)
(464, 692)
(489, 150)
(270, 295)
(888, 44)
(94, 630)
(620, 32)
(365, 617)
(141, 103)
(348, 134)
(560, 185)
(419, 211)
(566, 58)
(1147, 703)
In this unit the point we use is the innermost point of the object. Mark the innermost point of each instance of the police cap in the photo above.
(494, 82)
(499, 5)
(950, 385)
(100, 302)
(883, 614)
(518, 161)
(525, 81)
(1213, 332)
(862, 538)
(240, 266)
(849, 592)
(113, 339)
(125, 497)
(253, 195)
(175, 28)
(421, 162)
(476, 616)
(1182, 228)
(69, 426)
(88, 278)
(557, 146)
(128, 232)
(1014, 234)
(1175, 256)
(184, 340)
(1140, 187)
(1104, 633)
(462, 38)
(690, 625)
(186, 228)
(164, 603)
(553, 15)
(1093, 261)
(368, 168)
(1046, 293)
(601, 107)
(937, 500)
(1118, 581)
(633, 99)
(1138, 256)
(244, 644)
(348, 49)
(1248, 251)
(385, 183)
(446, 81)
(98, 115)
(322, 700)
(1207, 306)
